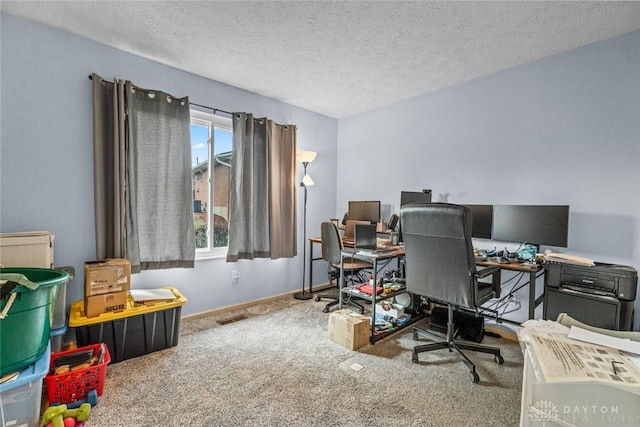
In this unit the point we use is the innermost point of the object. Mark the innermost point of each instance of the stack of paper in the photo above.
(152, 295)
(569, 258)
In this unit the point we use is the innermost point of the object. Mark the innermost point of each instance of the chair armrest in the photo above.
(496, 278)
(487, 271)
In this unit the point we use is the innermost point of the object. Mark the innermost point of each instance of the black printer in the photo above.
(601, 295)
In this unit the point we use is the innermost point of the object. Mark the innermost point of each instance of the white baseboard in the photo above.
(240, 306)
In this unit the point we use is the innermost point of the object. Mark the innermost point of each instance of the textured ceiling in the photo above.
(337, 58)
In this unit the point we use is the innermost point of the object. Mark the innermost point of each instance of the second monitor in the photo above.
(364, 210)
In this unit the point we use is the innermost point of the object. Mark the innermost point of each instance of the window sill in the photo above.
(205, 256)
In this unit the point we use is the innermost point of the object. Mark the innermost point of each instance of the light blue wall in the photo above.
(46, 173)
(562, 130)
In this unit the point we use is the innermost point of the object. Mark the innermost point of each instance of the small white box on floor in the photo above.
(389, 309)
(349, 328)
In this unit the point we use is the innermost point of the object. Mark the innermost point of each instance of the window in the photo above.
(211, 150)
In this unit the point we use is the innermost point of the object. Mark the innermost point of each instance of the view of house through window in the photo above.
(211, 150)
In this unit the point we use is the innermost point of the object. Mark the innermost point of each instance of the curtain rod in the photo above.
(215, 110)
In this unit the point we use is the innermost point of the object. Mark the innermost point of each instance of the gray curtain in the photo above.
(262, 200)
(142, 176)
(109, 166)
(159, 209)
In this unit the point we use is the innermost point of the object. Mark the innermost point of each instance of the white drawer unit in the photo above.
(27, 249)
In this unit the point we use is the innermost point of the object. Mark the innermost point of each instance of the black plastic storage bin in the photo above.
(136, 331)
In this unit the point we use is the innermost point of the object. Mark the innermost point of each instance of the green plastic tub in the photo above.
(26, 315)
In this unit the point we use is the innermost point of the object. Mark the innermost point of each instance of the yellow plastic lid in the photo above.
(78, 318)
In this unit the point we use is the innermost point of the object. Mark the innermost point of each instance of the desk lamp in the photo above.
(305, 157)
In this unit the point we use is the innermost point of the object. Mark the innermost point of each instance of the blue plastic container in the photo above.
(20, 399)
(57, 337)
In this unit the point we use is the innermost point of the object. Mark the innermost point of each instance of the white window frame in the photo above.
(211, 121)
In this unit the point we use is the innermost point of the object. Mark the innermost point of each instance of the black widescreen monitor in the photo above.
(407, 197)
(364, 210)
(482, 221)
(536, 225)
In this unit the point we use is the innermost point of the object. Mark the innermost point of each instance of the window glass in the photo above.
(211, 151)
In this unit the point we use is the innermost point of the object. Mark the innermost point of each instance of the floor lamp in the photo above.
(305, 157)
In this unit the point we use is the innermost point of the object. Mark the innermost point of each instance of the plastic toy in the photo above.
(80, 414)
(57, 416)
(53, 415)
(92, 398)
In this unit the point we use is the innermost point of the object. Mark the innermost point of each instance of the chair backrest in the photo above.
(331, 242)
(439, 257)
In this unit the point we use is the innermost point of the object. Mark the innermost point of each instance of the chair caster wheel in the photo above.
(499, 359)
(361, 311)
(414, 358)
(475, 378)
(415, 336)
(325, 310)
(317, 299)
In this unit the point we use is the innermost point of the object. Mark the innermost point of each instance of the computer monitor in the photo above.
(536, 225)
(423, 196)
(407, 197)
(482, 221)
(364, 210)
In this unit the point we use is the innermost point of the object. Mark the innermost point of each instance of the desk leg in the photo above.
(340, 300)
(310, 267)
(374, 294)
(532, 294)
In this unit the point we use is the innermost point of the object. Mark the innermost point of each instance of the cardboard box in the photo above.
(394, 310)
(349, 328)
(105, 303)
(103, 277)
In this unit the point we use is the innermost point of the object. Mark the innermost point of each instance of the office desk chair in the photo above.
(440, 265)
(331, 252)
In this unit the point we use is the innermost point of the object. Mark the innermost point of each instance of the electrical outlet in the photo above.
(235, 276)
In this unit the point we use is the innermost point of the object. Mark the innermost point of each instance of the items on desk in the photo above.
(394, 239)
(572, 259)
(367, 288)
(389, 309)
(386, 323)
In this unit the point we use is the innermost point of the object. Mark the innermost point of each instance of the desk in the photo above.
(318, 240)
(373, 258)
(514, 266)
(312, 241)
(524, 268)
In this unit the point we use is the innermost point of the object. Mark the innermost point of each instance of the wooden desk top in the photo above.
(346, 245)
(515, 266)
(489, 262)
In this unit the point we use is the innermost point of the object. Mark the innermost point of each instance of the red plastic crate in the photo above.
(69, 387)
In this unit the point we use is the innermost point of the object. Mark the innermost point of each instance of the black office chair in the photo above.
(331, 250)
(440, 265)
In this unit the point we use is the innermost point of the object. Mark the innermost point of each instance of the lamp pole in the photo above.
(304, 295)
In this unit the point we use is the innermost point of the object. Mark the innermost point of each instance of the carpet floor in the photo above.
(275, 366)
